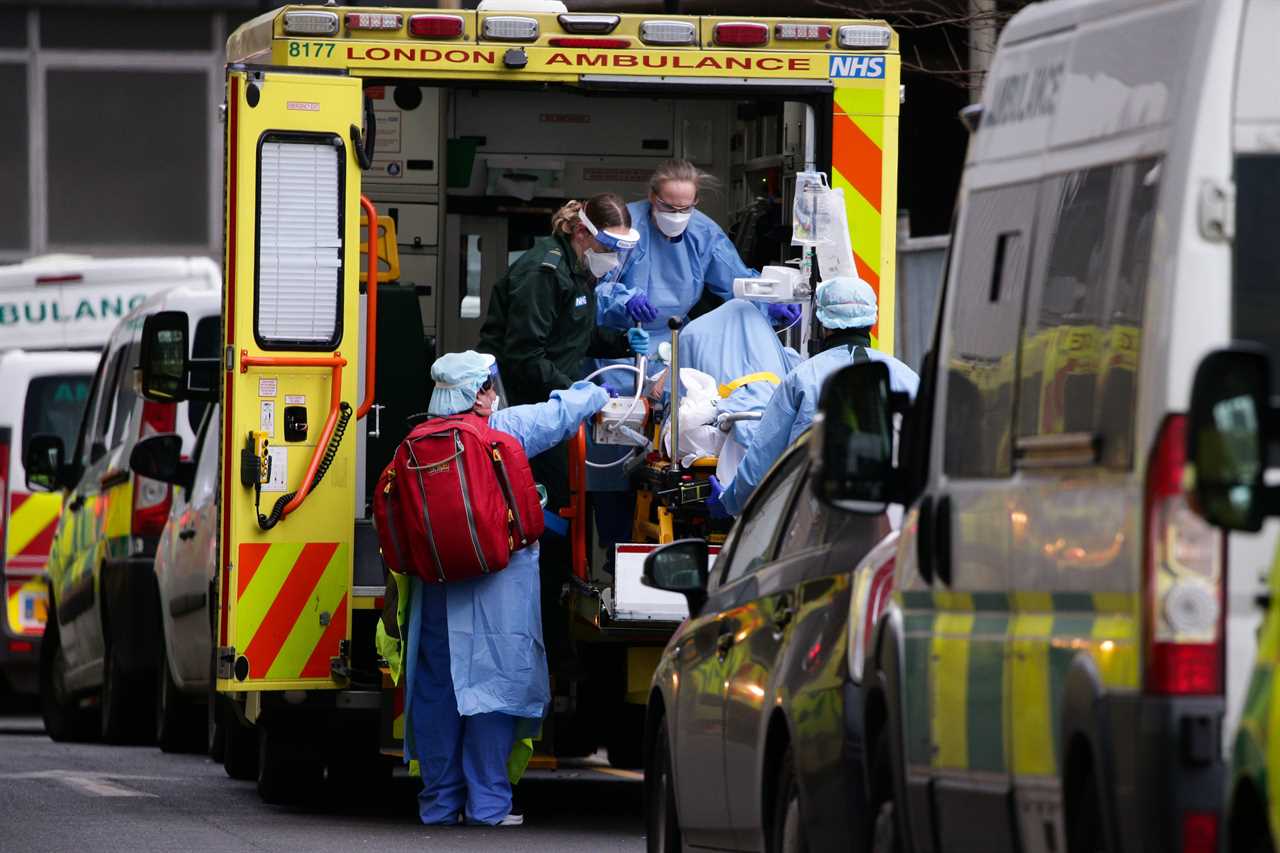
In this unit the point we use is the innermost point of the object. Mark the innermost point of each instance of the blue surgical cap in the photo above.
(458, 377)
(846, 302)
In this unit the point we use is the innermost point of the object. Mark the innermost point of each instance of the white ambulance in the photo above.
(56, 314)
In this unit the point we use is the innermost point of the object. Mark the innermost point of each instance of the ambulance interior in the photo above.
(471, 175)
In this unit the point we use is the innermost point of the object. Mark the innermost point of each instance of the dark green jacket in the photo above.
(541, 323)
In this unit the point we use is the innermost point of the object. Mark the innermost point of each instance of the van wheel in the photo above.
(662, 823)
(787, 833)
(240, 744)
(885, 837)
(178, 724)
(63, 718)
(126, 707)
(1084, 816)
(625, 741)
(286, 772)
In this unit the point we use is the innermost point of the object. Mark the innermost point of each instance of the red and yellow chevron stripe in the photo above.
(29, 533)
(291, 610)
(864, 166)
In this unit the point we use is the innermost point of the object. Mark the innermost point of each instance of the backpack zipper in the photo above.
(426, 516)
(509, 493)
(466, 503)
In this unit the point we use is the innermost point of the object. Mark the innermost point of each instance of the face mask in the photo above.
(672, 224)
(600, 263)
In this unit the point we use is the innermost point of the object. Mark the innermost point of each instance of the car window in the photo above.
(755, 535)
(806, 523)
(206, 480)
(55, 406)
(106, 401)
(204, 344)
(125, 396)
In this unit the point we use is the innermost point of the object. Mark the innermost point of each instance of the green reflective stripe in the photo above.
(985, 696)
(916, 690)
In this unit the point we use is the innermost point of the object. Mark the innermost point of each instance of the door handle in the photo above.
(76, 503)
(726, 638)
(189, 533)
(783, 614)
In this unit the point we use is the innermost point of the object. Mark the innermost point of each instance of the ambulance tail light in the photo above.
(1200, 832)
(741, 34)
(381, 21)
(1185, 584)
(311, 23)
(588, 43)
(668, 33)
(151, 498)
(589, 25)
(436, 26)
(862, 36)
(802, 32)
(510, 28)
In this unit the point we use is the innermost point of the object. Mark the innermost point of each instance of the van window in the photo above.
(1255, 280)
(988, 286)
(125, 395)
(204, 344)
(54, 406)
(756, 528)
(106, 402)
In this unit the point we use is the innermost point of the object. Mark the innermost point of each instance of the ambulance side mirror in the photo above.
(159, 457)
(682, 567)
(852, 445)
(44, 463)
(1228, 429)
(164, 361)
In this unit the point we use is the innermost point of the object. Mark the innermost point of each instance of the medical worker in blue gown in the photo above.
(846, 309)
(477, 673)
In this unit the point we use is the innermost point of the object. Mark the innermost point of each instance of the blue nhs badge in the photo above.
(866, 67)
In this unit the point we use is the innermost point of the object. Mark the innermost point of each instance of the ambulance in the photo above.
(56, 314)
(464, 131)
(1066, 655)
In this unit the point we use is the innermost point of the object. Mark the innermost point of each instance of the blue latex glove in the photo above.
(714, 507)
(783, 314)
(638, 340)
(610, 389)
(641, 310)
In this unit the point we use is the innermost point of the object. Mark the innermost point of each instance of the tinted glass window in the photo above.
(1121, 340)
(107, 399)
(125, 396)
(1061, 349)
(986, 298)
(804, 527)
(1256, 282)
(204, 344)
(54, 406)
(14, 170)
(756, 529)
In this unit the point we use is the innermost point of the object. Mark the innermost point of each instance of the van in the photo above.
(1067, 634)
(56, 313)
(101, 644)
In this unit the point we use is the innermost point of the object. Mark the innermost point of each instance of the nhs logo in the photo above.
(868, 67)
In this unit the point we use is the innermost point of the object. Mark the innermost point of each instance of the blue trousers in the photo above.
(463, 759)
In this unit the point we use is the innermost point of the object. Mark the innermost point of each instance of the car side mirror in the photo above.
(159, 457)
(1227, 436)
(682, 567)
(164, 362)
(852, 446)
(45, 462)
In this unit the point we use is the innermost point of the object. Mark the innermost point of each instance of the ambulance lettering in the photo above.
(864, 67)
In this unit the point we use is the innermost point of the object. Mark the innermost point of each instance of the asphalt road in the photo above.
(92, 797)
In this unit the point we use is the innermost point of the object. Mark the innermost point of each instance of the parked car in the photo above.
(753, 735)
(102, 639)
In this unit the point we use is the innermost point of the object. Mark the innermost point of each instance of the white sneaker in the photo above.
(512, 819)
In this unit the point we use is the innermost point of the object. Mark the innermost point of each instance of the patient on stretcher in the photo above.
(735, 345)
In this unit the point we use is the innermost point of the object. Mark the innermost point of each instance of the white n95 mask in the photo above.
(600, 263)
(672, 224)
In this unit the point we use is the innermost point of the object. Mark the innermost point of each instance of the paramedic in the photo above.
(846, 308)
(681, 253)
(477, 673)
(541, 321)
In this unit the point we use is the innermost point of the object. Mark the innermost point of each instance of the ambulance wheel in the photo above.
(787, 829)
(126, 706)
(662, 822)
(179, 725)
(625, 740)
(885, 836)
(240, 744)
(286, 772)
(64, 720)
(1084, 815)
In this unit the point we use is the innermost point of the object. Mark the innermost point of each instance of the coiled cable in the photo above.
(266, 522)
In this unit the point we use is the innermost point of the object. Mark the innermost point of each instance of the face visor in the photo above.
(494, 382)
(617, 249)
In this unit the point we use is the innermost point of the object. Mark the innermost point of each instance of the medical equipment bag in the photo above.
(456, 500)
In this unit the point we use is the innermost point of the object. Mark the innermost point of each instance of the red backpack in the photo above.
(457, 499)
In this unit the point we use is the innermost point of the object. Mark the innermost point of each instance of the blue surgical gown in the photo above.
(790, 412)
(497, 658)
